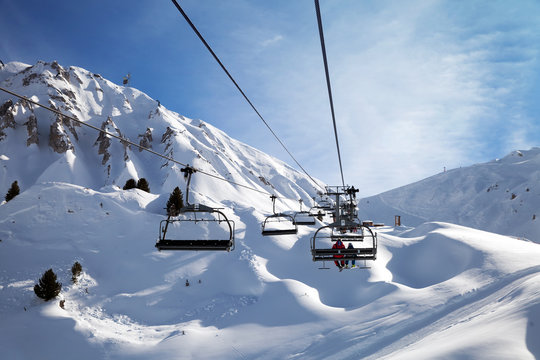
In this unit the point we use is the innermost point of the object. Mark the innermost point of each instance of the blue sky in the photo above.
(418, 85)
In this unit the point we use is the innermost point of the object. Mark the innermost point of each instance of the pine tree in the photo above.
(143, 185)
(48, 288)
(130, 184)
(175, 202)
(13, 191)
(76, 270)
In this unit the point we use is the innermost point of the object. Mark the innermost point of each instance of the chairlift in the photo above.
(126, 78)
(326, 205)
(303, 217)
(196, 217)
(316, 212)
(347, 228)
(278, 223)
(321, 242)
(323, 203)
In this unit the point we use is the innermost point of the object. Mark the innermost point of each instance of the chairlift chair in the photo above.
(196, 214)
(303, 217)
(346, 228)
(367, 241)
(278, 223)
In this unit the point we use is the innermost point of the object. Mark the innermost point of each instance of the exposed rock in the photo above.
(166, 139)
(58, 138)
(61, 72)
(167, 135)
(104, 142)
(74, 74)
(4, 108)
(154, 113)
(264, 181)
(146, 139)
(7, 119)
(126, 147)
(70, 94)
(32, 130)
(71, 125)
(33, 78)
(66, 121)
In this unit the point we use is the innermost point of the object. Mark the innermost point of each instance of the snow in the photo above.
(436, 290)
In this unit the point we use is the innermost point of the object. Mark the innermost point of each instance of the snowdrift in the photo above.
(266, 299)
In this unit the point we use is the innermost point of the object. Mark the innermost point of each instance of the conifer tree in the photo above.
(76, 270)
(175, 202)
(13, 191)
(130, 184)
(48, 288)
(143, 185)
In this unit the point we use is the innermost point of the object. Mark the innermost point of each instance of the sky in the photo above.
(419, 86)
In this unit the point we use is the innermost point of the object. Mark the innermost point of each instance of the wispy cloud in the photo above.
(417, 88)
(271, 41)
(418, 85)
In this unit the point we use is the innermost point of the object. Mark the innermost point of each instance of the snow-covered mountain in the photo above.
(39, 146)
(437, 290)
(501, 196)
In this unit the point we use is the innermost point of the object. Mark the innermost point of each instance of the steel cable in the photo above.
(323, 49)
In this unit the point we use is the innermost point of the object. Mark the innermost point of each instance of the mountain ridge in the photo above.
(500, 196)
(126, 113)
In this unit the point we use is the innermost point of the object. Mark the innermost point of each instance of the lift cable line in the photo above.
(323, 49)
(238, 87)
(129, 142)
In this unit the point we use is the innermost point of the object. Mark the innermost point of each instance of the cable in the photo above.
(238, 87)
(323, 49)
(129, 142)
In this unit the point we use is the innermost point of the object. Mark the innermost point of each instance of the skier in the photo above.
(353, 262)
(339, 245)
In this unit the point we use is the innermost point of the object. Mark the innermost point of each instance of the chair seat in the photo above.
(201, 245)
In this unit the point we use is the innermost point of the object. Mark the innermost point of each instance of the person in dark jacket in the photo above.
(339, 245)
(353, 262)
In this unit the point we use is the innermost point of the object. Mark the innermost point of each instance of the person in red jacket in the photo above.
(339, 245)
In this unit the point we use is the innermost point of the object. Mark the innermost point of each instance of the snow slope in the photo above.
(62, 150)
(501, 196)
(436, 291)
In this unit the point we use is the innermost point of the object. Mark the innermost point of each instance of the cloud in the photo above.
(417, 86)
(271, 41)
(416, 89)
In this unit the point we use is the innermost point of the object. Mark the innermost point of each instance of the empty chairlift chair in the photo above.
(303, 217)
(278, 223)
(196, 227)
